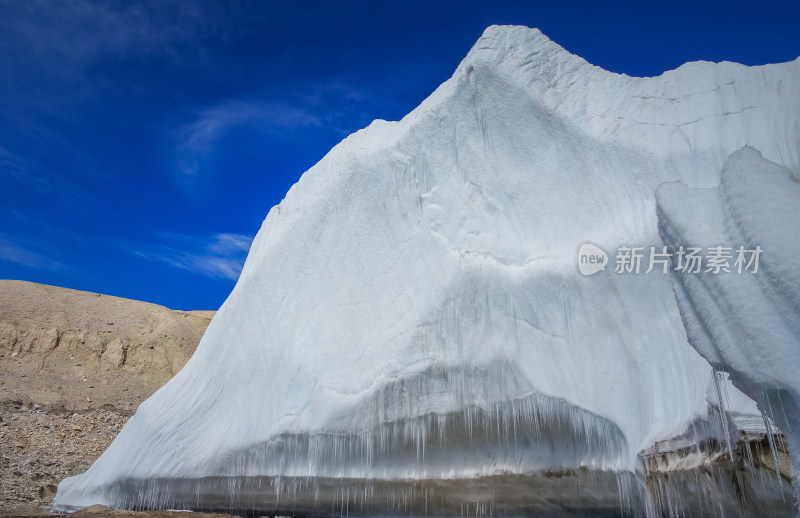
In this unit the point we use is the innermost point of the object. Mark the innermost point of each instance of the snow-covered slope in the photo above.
(412, 310)
(745, 321)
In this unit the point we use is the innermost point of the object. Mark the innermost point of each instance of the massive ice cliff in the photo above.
(410, 333)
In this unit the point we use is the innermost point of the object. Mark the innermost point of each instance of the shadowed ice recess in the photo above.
(410, 334)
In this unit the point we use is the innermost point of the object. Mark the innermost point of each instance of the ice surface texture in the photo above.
(746, 324)
(412, 309)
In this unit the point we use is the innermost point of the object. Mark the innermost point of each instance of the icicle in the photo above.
(771, 437)
(785, 417)
(719, 382)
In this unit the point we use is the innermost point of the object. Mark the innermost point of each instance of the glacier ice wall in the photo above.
(411, 311)
(748, 323)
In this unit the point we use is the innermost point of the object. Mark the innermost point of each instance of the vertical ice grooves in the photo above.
(722, 399)
(771, 432)
(515, 435)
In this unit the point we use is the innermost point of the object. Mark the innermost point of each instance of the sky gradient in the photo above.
(143, 143)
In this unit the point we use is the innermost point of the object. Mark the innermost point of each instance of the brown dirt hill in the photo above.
(71, 350)
(73, 367)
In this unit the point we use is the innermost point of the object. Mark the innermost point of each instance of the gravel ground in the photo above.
(39, 449)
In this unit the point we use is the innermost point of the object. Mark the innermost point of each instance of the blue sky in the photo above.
(143, 143)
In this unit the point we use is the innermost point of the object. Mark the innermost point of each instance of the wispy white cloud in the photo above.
(343, 107)
(197, 141)
(219, 256)
(14, 167)
(335, 106)
(49, 52)
(13, 164)
(15, 252)
(31, 224)
(64, 38)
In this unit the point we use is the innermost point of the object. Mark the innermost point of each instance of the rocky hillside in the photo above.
(73, 367)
